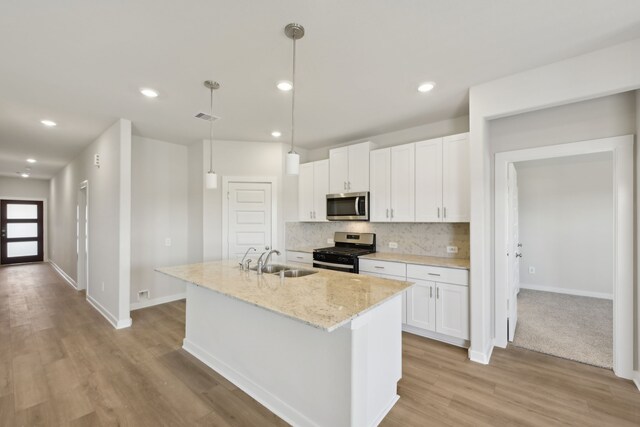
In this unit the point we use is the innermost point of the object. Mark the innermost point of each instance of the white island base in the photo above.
(305, 375)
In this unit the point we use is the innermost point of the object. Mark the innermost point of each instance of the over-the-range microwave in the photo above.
(348, 206)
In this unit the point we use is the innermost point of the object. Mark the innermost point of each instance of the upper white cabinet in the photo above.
(392, 184)
(442, 179)
(349, 168)
(313, 186)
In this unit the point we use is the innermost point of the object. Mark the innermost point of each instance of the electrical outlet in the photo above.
(393, 245)
(532, 270)
(144, 294)
(167, 241)
(330, 241)
(452, 249)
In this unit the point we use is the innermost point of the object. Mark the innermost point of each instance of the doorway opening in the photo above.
(22, 231)
(249, 216)
(561, 226)
(621, 152)
(82, 237)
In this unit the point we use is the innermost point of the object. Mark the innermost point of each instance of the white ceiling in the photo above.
(81, 63)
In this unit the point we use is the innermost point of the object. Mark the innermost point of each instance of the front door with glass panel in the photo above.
(21, 239)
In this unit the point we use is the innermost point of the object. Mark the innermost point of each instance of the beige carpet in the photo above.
(568, 326)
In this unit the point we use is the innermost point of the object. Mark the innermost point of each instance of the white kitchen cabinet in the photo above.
(313, 186)
(349, 168)
(452, 310)
(442, 180)
(299, 259)
(392, 184)
(421, 305)
(386, 270)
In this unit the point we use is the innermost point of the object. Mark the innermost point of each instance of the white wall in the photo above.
(24, 188)
(109, 220)
(194, 203)
(418, 133)
(238, 158)
(158, 212)
(566, 224)
(593, 75)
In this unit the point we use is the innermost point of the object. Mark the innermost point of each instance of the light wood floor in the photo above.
(61, 363)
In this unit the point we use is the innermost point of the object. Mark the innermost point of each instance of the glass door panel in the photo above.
(21, 211)
(21, 249)
(25, 229)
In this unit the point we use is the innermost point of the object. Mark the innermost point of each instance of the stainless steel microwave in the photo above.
(348, 206)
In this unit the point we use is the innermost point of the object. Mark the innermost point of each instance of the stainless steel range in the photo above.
(344, 255)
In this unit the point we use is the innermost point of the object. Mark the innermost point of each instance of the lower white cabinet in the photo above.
(299, 259)
(404, 294)
(421, 305)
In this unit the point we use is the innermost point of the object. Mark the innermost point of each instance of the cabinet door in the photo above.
(452, 308)
(403, 183)
(455, 185)
(358, 167)
(429, 181)
(404, 294)
(380, 207)
(320, 189)
(305, 192)
(338, 170)
(421, 309)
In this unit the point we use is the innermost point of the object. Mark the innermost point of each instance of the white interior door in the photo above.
(514, 254)
(249, 218)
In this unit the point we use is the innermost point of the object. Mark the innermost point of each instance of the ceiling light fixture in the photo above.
(276, 134)
(211, 177)
(284, 85)
(426, 87)
(294, 32)
(49, 123)
(149, 93)
(31, 160)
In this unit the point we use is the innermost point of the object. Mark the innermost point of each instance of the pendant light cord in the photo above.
(293, 93)
(211, 134)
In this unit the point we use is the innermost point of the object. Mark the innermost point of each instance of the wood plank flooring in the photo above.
(62, 364)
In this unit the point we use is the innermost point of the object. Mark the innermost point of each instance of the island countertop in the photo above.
(325, 300)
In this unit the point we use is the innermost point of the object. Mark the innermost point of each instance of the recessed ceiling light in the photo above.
(31, 160)
(426, 87)
(276, 134)
(149, 93)
(24, 175)
(285, 86)
(49, 123)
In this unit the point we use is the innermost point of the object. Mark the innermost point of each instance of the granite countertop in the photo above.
(461, 263)
(308, 249)
(325, 300)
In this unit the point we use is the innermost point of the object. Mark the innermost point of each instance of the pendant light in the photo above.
(294, 32)
(211, 176)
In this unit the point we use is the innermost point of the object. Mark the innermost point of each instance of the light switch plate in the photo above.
(330, 241)
(393, 245)
(167, 241)
(532, 270)
(452, 249)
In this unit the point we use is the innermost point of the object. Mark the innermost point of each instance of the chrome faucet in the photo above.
(261, 265)
(244, 266)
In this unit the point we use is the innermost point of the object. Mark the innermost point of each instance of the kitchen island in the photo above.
(319, 350)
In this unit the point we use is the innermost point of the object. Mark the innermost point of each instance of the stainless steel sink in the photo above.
(298, 273)
(271, 268)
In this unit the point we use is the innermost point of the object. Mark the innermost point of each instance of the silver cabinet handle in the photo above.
(314, 214)
(345, 185)
(378, 266)
(300, 257)
(387, 212)
(444, 214)
(433, 274)
(310, 214)
(348, 185)
(438, 212)
(392, 213)
(430, 291)
(357, 208)
(437, 293)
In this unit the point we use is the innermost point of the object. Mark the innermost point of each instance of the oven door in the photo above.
(345, 268)
(348, 207)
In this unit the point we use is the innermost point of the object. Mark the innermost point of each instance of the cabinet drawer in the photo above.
(299, 257)
(438, 274)
(384, 267)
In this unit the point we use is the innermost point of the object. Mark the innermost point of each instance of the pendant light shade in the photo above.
(293, 163)
(294, 32)
(211, 178)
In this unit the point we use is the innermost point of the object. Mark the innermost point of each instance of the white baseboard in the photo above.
(156, 301)
(270, 401)
(566, 291)
(636, 379)
(64, 275)
(459, 342)
(482, 357)
(115, 322)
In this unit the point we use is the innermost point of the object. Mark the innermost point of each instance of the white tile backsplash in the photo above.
(429, 239)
